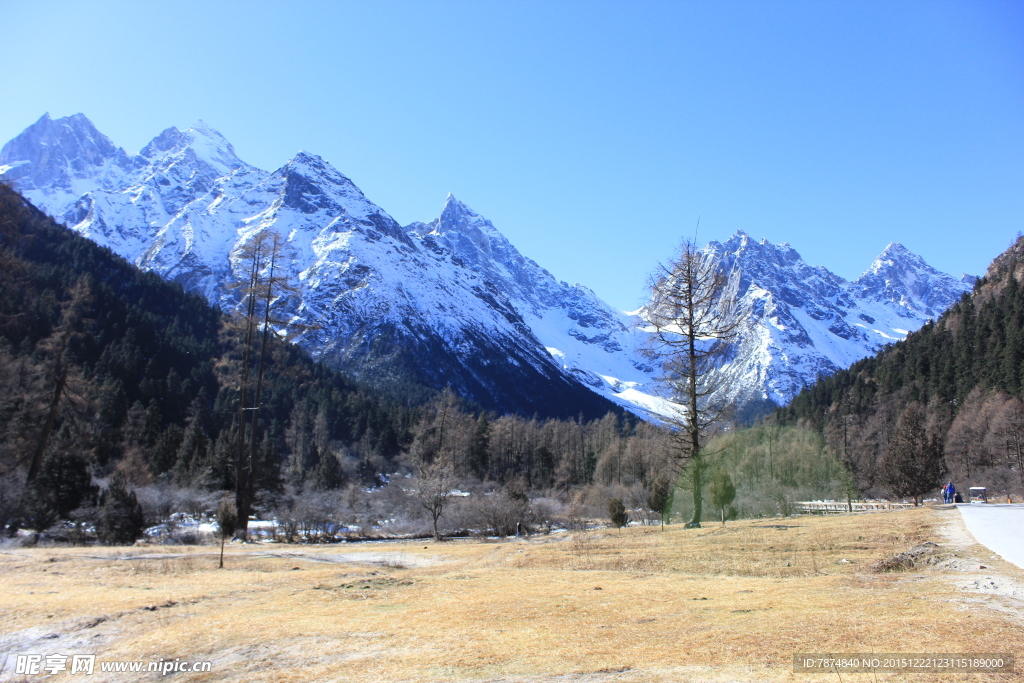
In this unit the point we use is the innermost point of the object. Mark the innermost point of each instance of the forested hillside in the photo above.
(104, 366)
(944, 403)
(108, 370)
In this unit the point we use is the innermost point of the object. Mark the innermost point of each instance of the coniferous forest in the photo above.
(944, 404)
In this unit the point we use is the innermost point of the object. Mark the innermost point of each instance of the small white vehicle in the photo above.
(979, 494)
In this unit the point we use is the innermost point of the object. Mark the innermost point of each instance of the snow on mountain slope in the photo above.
(901, 280)
(388, 304)
(450, 301)
(63, 159)
(801, 322)
(591, 342)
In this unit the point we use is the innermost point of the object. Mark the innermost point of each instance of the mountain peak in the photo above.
(312, 185)
(309, 165)
(895, 250)
(53, 153)
(199, 143)
(203, 127)
(166, 140)
(453, 202)
(456, 211)
(896, 257)
(744, 249)
(64, 127)
(902, 278)
(304, 157)
(200, 129)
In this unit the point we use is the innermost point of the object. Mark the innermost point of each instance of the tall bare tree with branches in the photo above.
(691, 326)
(263, 290)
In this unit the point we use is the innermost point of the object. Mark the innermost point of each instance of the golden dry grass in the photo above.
(713, 604)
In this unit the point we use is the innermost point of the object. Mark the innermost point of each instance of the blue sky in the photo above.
(593, 134)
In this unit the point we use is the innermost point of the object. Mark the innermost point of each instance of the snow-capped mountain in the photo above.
(449, 301)
(591, 342)
(801, 322)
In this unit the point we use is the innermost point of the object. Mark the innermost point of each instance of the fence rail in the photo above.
(833, 507)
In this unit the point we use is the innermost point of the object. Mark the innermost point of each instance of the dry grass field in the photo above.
(727, 603)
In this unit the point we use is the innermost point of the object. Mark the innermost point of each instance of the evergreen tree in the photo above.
(191, 466)
(227, 520)
(912, 465)
(121, 520)
(722, 491)
(660, 497)
(328, 474)
(164, 454)
(64, 483)
(617, 513)
(479, 448)
(367, 474)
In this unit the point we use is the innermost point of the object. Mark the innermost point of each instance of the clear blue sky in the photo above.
(593, 134)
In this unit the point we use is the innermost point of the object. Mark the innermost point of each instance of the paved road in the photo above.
(1000, 528)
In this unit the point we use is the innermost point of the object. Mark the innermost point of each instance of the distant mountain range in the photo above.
(802, 322)
(449, 301)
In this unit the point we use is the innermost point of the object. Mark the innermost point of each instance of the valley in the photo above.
(726, 603)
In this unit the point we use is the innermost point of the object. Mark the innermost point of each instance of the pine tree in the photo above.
(660, 497)
(328, 474)
(72, 322)
(121, 520)
(191, 466)
(227, 519)
(64, 483)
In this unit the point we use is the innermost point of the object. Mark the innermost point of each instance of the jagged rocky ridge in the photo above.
(802, 322)
(450, 301)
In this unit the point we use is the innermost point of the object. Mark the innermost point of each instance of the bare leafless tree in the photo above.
(691, 326)
(263, 289)
(1009, 428)
(434, 488)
